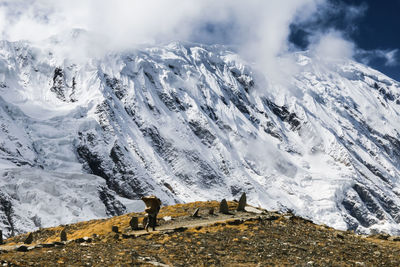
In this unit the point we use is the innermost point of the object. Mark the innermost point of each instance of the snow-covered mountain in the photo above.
(85, 138)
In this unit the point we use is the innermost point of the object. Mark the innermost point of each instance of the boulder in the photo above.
(29, 239)
(134, 223)
(242, 202)
(63, 235)
(223, 207)
(211, 211)
(115, 229)
(21, 248)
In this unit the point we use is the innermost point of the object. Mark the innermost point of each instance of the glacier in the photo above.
(84, 138)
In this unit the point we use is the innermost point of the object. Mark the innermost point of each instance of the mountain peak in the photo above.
(185, 122)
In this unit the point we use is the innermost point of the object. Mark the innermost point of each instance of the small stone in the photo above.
(394, 238)
(377, 253)
(29, 239)
(22, 248)
(48, 245)
(115, 229)
(223, 207)
(253, 210)
(134, 223)
(242, 202)
(211, 211)
(63, 235)
(167, 218)
(339, 236)
(196, 213)
(87, 239)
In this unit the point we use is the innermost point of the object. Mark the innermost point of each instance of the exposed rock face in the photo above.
(189, 122)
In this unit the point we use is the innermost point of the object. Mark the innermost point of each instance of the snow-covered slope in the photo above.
(190, 122)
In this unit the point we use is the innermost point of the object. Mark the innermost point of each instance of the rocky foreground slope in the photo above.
(253, 238)
(186, 122)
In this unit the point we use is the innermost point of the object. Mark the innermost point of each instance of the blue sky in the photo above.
(374, 29)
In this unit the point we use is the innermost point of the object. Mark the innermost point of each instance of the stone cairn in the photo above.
(223, 207)
(242, 202)
(134, 223)
(29, 239)
(63, 235)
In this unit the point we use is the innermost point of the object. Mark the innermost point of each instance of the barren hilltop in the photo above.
(254, 237)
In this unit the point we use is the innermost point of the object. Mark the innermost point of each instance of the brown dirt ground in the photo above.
(239, 239)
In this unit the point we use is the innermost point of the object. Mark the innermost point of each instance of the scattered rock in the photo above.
(270, 217)
(63, 235)
(253, 210)
(383, 236)
(235, 222)
(134, 223)
(167, 218)
(29, 239)
(180, 229)
(394, 238)
(340, 236)
(48, 245)
(242, 202)
(21, 248)
(57, 243)
(83, 240)
(223, 207)
(87, 239)
(196, 213)
(115, 229)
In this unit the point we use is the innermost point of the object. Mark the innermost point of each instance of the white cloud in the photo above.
(388, 57)
(332, 45)
(258, 29)
(134, 21)
(391, 57)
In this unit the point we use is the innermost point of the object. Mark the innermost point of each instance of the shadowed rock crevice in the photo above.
(7, 213)
(113, 206)
(284, 114)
